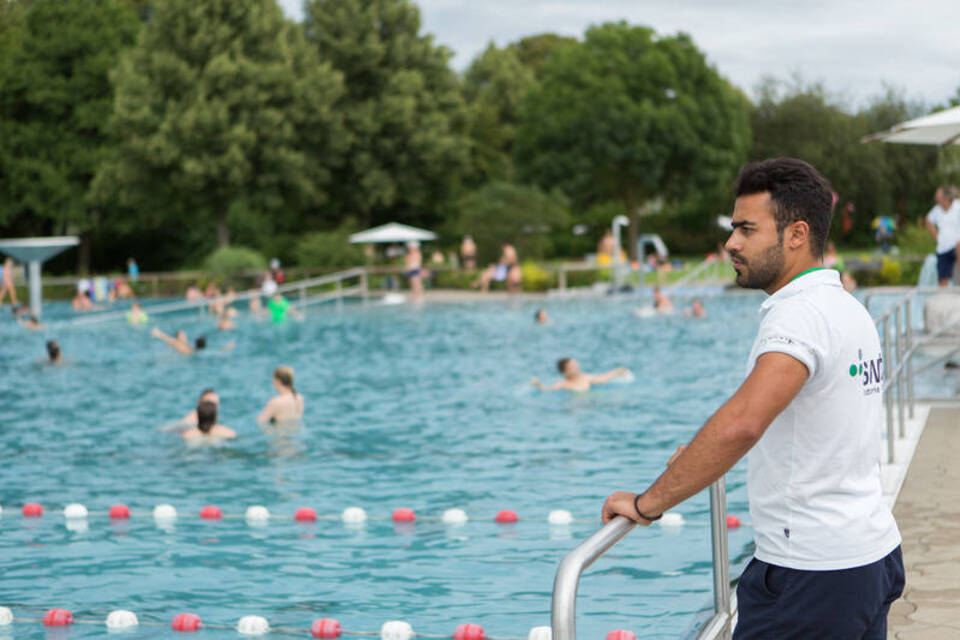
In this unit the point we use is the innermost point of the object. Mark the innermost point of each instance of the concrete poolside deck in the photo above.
(928, 513)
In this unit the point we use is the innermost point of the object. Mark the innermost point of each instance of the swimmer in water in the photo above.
(695, 311)
(137, 315)
(31, 323)
(180, 342)
(540, 317)
(287, 405)
(661, 302)
(224, 323)
(54, 353)
(576, 380)
(207, 395)
(207, 426)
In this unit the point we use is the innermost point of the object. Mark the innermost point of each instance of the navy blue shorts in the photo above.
(847, 604)
(945, 262)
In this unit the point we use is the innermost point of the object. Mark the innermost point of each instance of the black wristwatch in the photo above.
(636, 507)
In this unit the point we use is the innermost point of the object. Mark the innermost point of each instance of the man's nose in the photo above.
(731, 244)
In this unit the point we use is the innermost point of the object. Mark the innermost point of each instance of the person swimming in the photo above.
(137, 315)
(287, 405)
(540, 317)
(661, 302)
(576, 380)
(179, 341)
(207, 426)
(207, 395)
(31, 323)
(697, 310)
(53, 352)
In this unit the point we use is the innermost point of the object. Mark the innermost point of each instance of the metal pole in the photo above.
(721, 555)
(909, 348)
(563, 612)
(36, 292)
(887, 397)
(562, 279)
(900, 372)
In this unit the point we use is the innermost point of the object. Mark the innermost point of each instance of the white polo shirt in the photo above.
(947, 222)
(814, 485)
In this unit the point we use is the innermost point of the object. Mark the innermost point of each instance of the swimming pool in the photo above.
(427, 408)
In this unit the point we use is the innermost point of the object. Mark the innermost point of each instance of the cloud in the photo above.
(854, 47)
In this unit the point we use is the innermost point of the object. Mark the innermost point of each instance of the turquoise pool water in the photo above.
(427, 408)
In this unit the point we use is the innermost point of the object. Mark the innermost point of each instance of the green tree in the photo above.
(802, 120)
(534, 51)
(630, 116)
(495, 85)
(223, 114)
(55, 101)
(403, 109)
(525, 216)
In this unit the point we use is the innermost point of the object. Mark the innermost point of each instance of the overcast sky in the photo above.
(852, 46)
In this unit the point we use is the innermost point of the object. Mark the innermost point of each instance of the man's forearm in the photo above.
(722, 441)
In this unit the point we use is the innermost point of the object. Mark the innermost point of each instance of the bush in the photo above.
(328, 249)
(890, 272)
(915, 240)
(229, 263)
(534, 277)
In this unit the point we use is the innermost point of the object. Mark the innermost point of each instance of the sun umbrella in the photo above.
(393, 232)
(940, 128)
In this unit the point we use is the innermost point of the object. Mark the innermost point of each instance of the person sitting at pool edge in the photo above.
(287, 405)
(207, 426)
(576, 380)
(207, 395)
(180, 342)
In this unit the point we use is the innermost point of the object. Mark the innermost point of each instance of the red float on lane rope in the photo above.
(469, 632)
(211, 512)
(325, 628)
(507, 515)
(732, 521)
(57, 618)
(404, 515)
(32, 510)
(305, 514)
(119, 511)
(185, 622)
(621, 634)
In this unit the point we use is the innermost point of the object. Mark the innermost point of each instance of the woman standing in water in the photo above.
(287, 405)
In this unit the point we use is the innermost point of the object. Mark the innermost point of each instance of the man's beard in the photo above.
(761, 272)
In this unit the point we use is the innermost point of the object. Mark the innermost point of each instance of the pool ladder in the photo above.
(720, 624)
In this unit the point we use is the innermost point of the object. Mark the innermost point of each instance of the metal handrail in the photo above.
(299, 285)
(567, 581)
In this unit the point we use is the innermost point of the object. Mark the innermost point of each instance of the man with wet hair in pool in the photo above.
(827, 562)
(54, 353)
(576, 380)
(207, 395)
(207, 426)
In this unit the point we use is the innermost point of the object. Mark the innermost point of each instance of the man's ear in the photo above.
(797, 234)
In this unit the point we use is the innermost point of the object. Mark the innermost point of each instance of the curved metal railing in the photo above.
(567, 581)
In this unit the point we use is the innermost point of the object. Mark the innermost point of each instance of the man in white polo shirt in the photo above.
(827, 561)
(943, 221)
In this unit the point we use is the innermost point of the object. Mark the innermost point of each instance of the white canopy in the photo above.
(941, 128)
(392, 233)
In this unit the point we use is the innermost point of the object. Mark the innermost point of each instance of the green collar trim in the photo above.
(803, 273)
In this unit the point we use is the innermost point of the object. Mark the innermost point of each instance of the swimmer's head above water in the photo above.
(209, 395)
(283, 379)
(206, 416)
(53, 350)
(200, 343)
(569, 367)
(540, 317)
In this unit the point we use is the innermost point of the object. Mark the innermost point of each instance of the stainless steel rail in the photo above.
(300, 286)
(567, 581)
